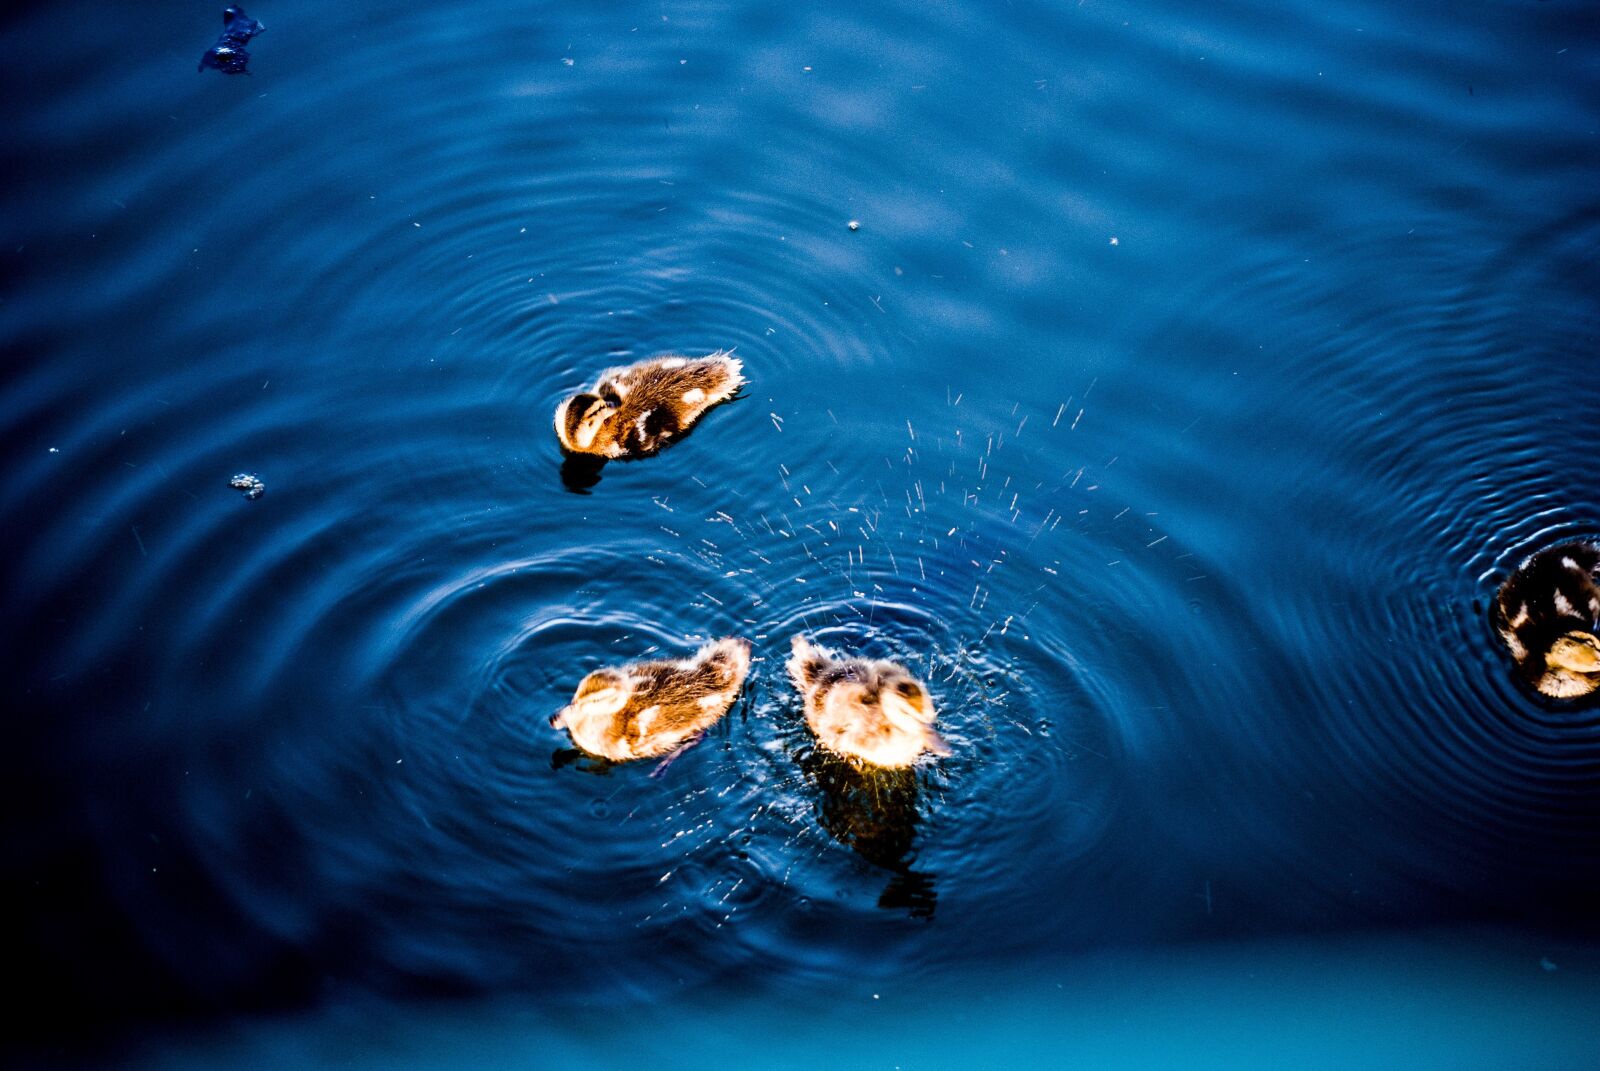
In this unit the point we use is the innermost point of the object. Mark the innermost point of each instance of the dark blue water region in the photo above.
(1194, 377)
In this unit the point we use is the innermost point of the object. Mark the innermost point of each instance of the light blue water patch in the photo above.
(1430, 1001)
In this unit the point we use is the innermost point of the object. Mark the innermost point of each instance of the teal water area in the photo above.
(1452, 1002)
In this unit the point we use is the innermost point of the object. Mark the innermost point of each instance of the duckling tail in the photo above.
(735, 649)
(805, 661)
(733, 374)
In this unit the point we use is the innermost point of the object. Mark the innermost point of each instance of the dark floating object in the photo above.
(1548, 614)
(249, 483)
(228, 55)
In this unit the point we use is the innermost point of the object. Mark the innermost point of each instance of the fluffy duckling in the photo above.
(1548, 613)
(635, 411)
(871, 710)
(650, 708)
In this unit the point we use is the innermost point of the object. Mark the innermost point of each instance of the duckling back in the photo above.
(635, 411)
(1548, 613)
(871, 710)
(649, 708)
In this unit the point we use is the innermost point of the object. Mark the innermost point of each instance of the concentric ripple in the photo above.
(1402, 490)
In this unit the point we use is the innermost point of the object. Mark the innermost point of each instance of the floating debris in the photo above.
(228, 54)
(854, 224)
(249, 483)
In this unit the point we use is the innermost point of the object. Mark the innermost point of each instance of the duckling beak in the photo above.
(556, 718)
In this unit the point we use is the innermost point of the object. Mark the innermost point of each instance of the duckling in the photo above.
(871, 710)
(646, 709)
(633, 412)
(1548, 613)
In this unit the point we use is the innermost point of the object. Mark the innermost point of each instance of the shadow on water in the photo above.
(580, 760)
(874, 813)
(581, 472)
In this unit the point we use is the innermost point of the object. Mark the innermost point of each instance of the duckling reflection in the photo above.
(1548, 613)
(874, 812)
(580, 472)
(580, 760)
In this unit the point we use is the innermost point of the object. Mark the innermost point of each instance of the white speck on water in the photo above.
(1114, 240)
(55, 450)
(854, 224)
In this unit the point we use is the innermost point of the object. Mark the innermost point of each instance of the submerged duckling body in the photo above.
(633, 412)
(645, 709)
(1548, 614)
(866, 709)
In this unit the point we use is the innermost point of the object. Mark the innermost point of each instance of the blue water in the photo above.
(1193, 378)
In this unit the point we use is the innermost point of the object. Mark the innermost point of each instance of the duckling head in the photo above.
(902, 699)
(886, 685)
(600, 698)
(579, 421)
(1572, 666)
(884, 698)
(874, 710)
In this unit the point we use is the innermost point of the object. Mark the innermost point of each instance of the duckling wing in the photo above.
(674, 705)
(648, 430)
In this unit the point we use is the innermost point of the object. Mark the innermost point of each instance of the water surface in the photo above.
(1190, 383)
